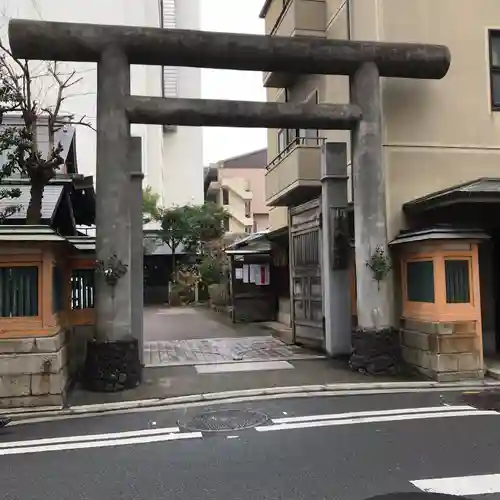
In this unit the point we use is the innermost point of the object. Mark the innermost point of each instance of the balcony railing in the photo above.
(298, 141)
(294, 175)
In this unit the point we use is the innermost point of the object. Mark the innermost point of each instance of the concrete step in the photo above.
(492, 368)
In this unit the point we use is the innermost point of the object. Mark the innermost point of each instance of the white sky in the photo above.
(236, 16)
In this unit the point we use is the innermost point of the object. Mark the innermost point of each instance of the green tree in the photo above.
(206, 226)
(151, 210)
(194, 227)
(175, 229)
(21, 81)
(7, 103)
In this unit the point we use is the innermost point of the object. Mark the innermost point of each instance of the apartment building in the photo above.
(172, 157)
(238, 184)
(441, 164)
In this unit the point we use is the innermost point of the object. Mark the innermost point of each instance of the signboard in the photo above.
(261, 274)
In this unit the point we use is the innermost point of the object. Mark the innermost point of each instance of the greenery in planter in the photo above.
(379, 264)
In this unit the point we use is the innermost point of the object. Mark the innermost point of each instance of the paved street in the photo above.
(188, 336)
(345, 448)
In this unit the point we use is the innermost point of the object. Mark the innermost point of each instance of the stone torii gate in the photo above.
(115, 48)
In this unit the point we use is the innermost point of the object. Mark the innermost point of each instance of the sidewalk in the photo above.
(184, 381)
(197, 351)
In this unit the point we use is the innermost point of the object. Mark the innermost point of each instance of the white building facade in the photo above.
(172, 157)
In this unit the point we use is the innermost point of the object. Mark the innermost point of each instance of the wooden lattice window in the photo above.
(18, 291)
(82, 289)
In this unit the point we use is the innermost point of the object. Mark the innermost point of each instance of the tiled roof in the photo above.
(482, 188)
(51, 197)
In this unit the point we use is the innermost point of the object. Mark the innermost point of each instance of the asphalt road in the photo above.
(349, 448)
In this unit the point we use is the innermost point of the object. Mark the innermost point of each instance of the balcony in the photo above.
(214, 187)
(296, 18)
(293, 177)
(238, 186)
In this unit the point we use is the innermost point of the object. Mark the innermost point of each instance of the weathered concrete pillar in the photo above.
(137, 242)
(375, 343)
(113, 308)
(335, 249)
(113, 359)
(373, 305)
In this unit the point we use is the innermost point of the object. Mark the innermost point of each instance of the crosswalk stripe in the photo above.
(463, 486)
(376, 419)
(100, 444)
(90, 437)
(402, 411)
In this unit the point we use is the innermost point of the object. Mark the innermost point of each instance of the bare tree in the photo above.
(24, 151)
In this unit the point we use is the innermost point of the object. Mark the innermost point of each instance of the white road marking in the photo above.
(90, 437)
(366, 420)
(250, 366)
(464, 486)
(100, 444)
(335, 416)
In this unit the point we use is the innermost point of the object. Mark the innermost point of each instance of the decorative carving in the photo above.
(112, 269)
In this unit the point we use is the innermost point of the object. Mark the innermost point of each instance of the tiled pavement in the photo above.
(221, 350)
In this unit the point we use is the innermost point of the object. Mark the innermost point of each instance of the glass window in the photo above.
(495, 68)
(225, 196)
(457, 281)
(495, 49)
(420, 281)
(18, 291)
(248, 209)
(495, 89)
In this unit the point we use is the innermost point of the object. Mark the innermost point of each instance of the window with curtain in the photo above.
(457, 281)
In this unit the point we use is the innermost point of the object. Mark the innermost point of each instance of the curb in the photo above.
(26, 414)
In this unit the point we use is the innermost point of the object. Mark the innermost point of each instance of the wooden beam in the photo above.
(55, 41)
(248, 114)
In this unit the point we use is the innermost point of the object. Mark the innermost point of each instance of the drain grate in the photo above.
(224, 420)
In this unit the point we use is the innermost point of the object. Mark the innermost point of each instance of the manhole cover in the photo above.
(224, 420)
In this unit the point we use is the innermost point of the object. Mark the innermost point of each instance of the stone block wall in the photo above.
(33, 371)
(443, 351)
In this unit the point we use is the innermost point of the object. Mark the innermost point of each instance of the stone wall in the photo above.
(443, 351)
(33, 371)
(284, 315)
